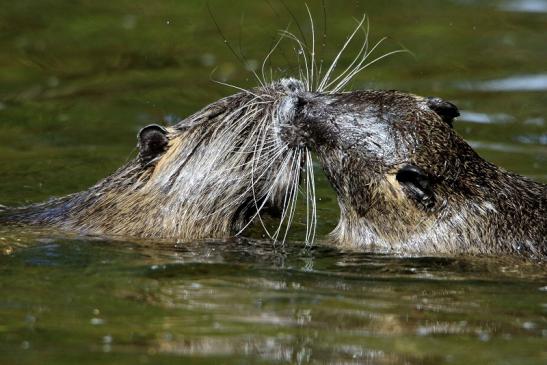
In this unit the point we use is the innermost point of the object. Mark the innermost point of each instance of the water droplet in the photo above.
(107, 347)
(484, 337)
(96, 321)
(129, 22)
(53, 82)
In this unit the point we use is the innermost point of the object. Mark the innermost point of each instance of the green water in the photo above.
(79, 78)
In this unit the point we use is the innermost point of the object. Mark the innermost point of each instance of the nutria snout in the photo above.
(407, 182)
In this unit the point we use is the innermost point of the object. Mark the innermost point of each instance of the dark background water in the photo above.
(78, 79)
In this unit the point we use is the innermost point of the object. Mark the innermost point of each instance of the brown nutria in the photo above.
(406, 182)
(208, 176)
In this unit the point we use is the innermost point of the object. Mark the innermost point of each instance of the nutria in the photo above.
(407, 182)
(209, 176)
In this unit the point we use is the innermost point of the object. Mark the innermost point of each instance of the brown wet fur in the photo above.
(190, 181)
(448, 200)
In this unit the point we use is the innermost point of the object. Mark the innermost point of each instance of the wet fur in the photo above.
(161, 197)
(220, 167)
(364, 138)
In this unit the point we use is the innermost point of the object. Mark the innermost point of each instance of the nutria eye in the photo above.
(152, 142)
(445, 109)
(417, 185)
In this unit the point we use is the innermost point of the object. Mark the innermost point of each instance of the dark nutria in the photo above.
(406, 182)
(208, 176)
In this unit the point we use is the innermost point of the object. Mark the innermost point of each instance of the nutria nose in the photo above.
(292, 86)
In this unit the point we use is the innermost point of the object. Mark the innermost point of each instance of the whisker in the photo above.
(313, 228)
(302, 52)
(326, 78)
(294, 199)
(227, 43)
(348, 79)
(362, 50)
(313, 66)
(268, 56)
(236, 87)
(287, 195)
(258, 209)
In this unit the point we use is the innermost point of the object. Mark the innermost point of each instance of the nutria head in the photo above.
(406, 181)
(210, 175)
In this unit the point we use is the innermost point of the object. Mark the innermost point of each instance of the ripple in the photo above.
(536, 82)
(500, 147)
(484, 118)
(532, 139)
(524, 6)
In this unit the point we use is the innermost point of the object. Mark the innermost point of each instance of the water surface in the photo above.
(78, 79)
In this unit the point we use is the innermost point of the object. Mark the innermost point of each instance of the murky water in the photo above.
(79, 78)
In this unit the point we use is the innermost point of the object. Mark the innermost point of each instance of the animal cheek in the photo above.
(392, 188)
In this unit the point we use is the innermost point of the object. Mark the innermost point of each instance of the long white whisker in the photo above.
(235, 201)
(313, 65)
(302, 51)
(363, 59)
(349, 77)
(313, 199)
(294, 197)
(268, 57)
(287, 164)
(307, 201)
(265, 200)
(256, 158)
(362, 51)
(287, 199)
(236, 87)
(326, 78)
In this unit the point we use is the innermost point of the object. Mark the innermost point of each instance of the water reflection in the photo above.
(248, 299)
(532, 139)
(80, 79)
(506, 147)
(485, 118)
(527, 6)
(514, 83)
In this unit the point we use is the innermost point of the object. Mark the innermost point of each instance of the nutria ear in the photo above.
(445, 109)
(152, 142)
(417, 185)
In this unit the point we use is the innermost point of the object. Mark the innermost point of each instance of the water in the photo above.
(78, 80)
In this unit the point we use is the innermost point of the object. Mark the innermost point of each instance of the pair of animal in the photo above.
(406, 181)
